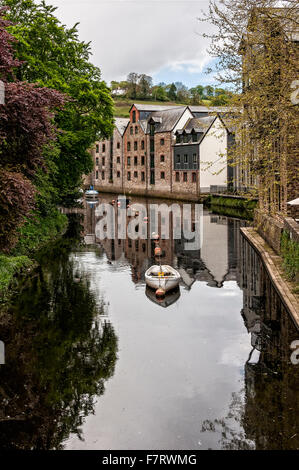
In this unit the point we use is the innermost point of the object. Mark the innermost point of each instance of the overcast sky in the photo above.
(156, 37)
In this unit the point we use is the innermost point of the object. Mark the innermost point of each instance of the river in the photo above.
(94, 361)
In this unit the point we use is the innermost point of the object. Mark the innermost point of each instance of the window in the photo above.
(152, 176)
(135, 145)
(142, 176)
(178, 138)
(103, 175)
(129, 176)
(162, 159)
(118, 174)
(97, 161)
(135, 174)
(103, 148)
(131, 130)
(162, 175)
(185, 138)
(136, 129)
(178, 158)
(194, 158)
(152, 129)
(185, 177)
(177, 176)
(97, 175)
(193, 177)
(142, 145)
(194, 137)
(185, 158)
(118, 160)
(103, 161)
(142, 160)
(135, 161)
(129, 161)
(152, 161)
(129, 146)
(162, 141)
(152, 145)
(134, 116)
(118, 145)
(97, 148)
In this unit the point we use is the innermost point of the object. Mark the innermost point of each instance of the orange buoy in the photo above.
(160, 292)
(158, 251)
(155, 236)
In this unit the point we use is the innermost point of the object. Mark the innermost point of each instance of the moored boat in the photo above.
(164, 277)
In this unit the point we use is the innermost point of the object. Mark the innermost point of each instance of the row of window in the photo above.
(104, 147)
(185, 177)
(185, 158)
(162, 176)
(135, 145)
(162, 160)
(185, 138)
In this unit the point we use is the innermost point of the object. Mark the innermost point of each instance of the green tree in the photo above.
(53, 56)
(172, 92)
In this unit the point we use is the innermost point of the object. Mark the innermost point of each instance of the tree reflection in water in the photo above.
(59, 353)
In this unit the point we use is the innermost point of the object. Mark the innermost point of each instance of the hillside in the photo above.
(122, 106)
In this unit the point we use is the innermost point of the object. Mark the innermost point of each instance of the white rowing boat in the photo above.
(165, 277)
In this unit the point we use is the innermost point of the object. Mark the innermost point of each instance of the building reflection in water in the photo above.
(214, 263)
(267, 407)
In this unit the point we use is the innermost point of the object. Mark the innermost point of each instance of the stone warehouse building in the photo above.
(164, 151)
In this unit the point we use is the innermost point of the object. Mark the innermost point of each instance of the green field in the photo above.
(122, 106)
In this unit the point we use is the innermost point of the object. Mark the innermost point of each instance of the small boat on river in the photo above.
(162, 277)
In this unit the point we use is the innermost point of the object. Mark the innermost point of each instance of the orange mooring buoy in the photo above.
(160, 292)
(158, 251)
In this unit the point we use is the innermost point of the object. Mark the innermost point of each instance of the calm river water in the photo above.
(94, 361)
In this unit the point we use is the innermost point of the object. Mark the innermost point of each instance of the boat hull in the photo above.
(167, 283)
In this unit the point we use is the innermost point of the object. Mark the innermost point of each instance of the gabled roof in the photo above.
(166, 119)
(199, 124)
(121, 124)
(207, 109)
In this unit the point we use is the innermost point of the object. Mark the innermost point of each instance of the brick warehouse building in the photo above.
(142, 156)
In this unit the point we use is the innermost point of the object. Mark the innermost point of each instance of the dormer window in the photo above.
(178, 138)
(152, 129)
(185, 139)
(134, 116)
(194, 136)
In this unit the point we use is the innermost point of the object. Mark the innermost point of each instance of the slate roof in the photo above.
(152, 107)
(166, 120)
(199, 124)
(121, 124)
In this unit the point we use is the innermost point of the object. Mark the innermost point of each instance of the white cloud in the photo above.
(141, 36)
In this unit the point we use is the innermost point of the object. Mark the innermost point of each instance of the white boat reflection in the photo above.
(169, 299)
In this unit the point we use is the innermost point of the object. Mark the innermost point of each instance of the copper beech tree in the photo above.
(26, 127)
(256, 46)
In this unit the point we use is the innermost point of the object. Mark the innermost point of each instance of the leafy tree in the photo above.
(132, 80)
(159, 93)
(172, 92)
(53, 56)
(25, 128)
(254, 42)
(145, 84)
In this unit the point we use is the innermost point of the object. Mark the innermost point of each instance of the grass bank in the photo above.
(290, 256)
(233, 202)
(122, 105)
(34, 235)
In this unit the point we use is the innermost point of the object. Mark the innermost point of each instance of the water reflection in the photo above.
(210, 369)
(215, 262)
(59, 353)
(268, 405)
